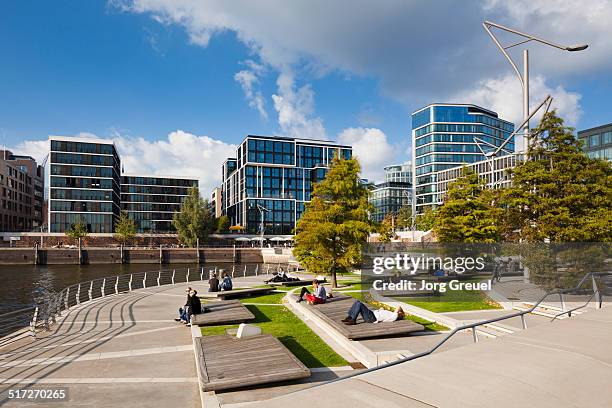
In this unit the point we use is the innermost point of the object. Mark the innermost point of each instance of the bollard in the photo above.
(562, 302)
(523, 321)
(158, 278)
(202, 274)
(78, 294)
(117, 286)
(33, 322)
(173, 272)
(130, 283)
(187, 277)
(90, 291)
(475, 335)
(233, 270)
(244, 272)
(256, 269)
(103, 286)
(144, 281)
(268, 270)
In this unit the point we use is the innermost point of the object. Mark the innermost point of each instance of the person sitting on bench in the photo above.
(183, 316)
(369, 316)
(195, 306)
(213, 283)
(226, 283)
(318, 296)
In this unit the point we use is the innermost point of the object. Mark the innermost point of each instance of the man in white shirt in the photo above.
(369, 316)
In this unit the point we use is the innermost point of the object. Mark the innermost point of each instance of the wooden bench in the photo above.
(302, 282)
(226, 294)
(226, 362)
(334, 310)
(224, 312)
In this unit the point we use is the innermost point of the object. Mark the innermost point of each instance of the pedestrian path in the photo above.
(121, 350)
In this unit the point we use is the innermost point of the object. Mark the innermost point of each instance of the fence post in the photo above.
(158, 278)
(268, 270)
(117, 286)
(66, 299)
(523, 321)
(33, 322)
(233, 270)
(202, 274)
(103, 286)
(562, 302)
(187, 277)
(475, 334)
(256, 269)
(130, 283)
(90, 291)
(78, 294)
(173, 272)
(144, 281)
(597, 293)
(244, 272)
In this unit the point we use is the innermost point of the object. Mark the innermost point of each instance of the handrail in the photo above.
(473, 326)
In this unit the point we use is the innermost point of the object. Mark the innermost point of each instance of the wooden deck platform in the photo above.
(224, 312)
(226, 362)
(303, 282)
(336, 309)
(226, 294)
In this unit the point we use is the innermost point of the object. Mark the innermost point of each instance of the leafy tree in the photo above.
(558, 194)
(77, 230)
(222, 224)
(426, 220)
(404, 217)
(125, 227)
(467, 212)
(386, 230)
(195, 220)
(335, 223)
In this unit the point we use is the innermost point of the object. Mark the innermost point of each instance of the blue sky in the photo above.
(153, 73)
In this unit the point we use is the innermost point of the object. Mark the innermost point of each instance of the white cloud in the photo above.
(371, 148)
(38, 149)
(181, 154)
(249, 82)
(504, 95)
(295, 108)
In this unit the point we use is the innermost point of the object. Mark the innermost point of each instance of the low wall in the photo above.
(59, 256)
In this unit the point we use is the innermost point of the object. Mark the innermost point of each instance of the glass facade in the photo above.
(395, 192)
(152, 201)
(597, 142)
(84, 184)
(277, 173)
(445, 136)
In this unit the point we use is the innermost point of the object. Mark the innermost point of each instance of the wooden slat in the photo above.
(336, 309)
(224, 312)
(305, 282)
(225, 294)
(227, 362)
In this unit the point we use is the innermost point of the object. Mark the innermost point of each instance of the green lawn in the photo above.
(453, 301)
(273, 297)
(292, 332)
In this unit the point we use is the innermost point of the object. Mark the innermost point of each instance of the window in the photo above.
(594, 140)
(606, 137)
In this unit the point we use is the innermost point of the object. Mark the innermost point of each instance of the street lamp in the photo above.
(524, 77)
(261, 209)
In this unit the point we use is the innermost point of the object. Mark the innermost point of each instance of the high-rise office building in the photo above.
(21, 193)
(151, 201)
(388, 197)
(84, 184)
(597, 141)
(215, 202)
(445, 136)
(278, 174)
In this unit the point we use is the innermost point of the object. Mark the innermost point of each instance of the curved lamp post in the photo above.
(524, 77)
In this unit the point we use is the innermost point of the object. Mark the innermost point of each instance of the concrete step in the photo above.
(500, 328)
(538, 312)
(549, 308)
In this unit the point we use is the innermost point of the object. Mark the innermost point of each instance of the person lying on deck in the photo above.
(226, 283)
(281, 276)
(369, 316)
(318, 296)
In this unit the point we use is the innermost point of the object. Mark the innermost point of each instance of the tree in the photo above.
(222, 224)
(385, 229)
(467, 212)
(125, 227)
(77, 230)
(335, 223)
(558, 194)
(195, 221)
(404, 217)
(426, 220)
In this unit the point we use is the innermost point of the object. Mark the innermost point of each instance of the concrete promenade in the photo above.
(121, 350)
(567, 363)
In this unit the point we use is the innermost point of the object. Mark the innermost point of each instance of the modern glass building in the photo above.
(597, 141)
(84, 184)
(151, 201)
(451, 135)
(278, 174)
(395, 192)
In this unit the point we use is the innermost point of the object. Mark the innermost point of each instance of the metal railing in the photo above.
(42, 316)
(473, 326)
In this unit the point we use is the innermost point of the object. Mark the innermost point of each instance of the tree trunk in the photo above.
(334, 282)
